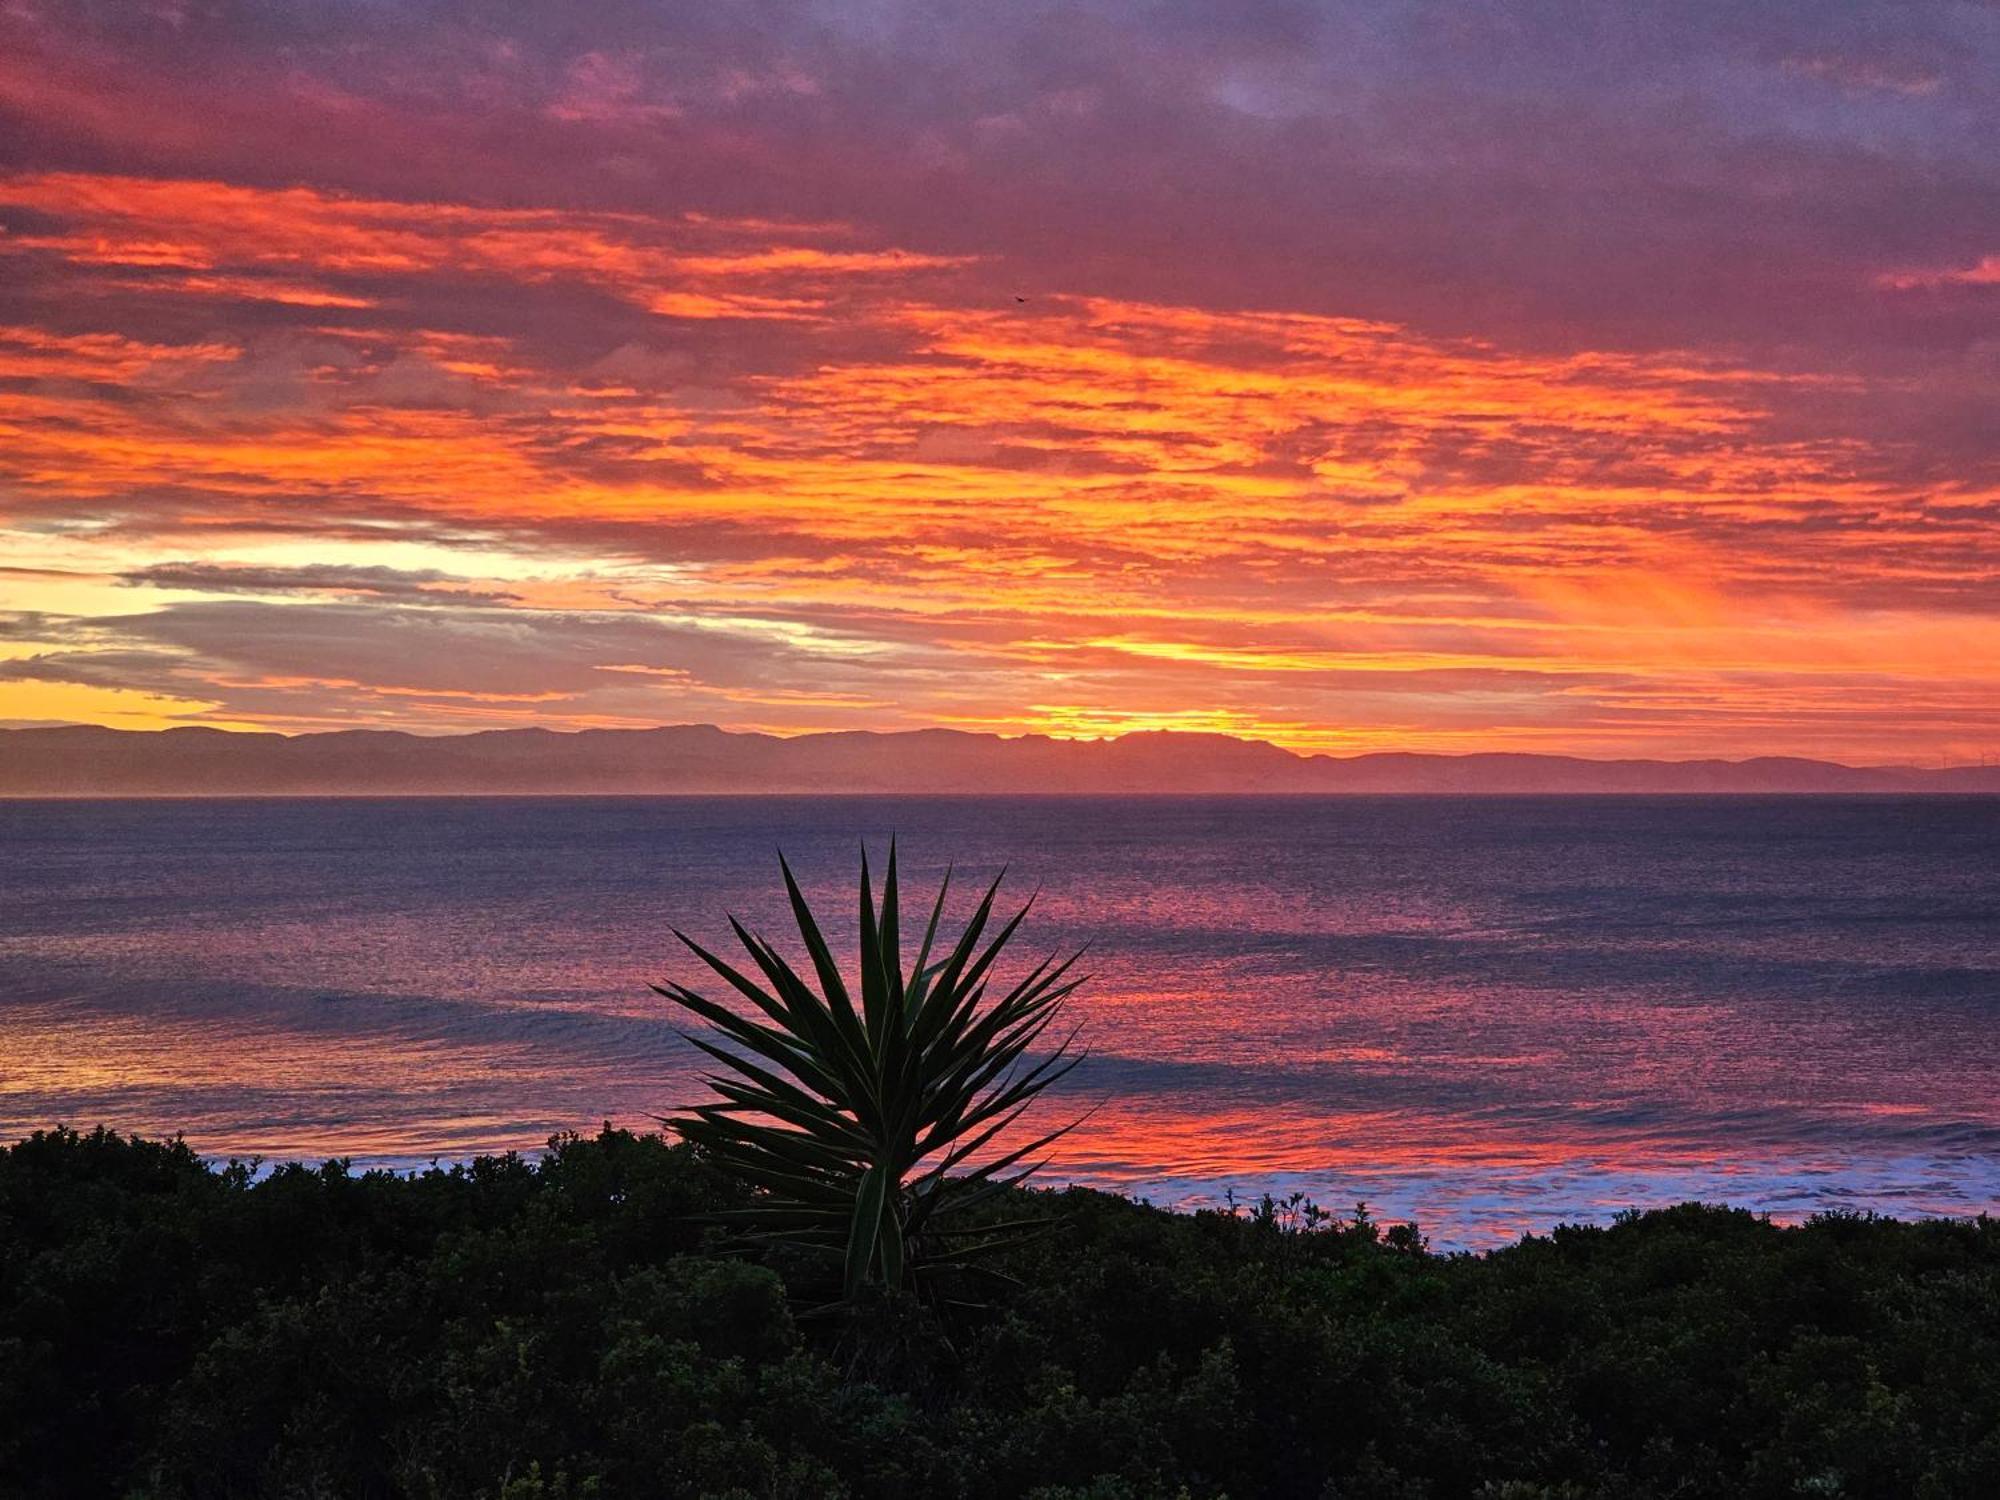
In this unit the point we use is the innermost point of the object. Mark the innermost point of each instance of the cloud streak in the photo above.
(1349, 380)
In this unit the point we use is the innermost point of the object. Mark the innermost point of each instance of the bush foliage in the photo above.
(528, 1330)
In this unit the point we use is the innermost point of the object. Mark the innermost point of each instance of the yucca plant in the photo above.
(871, 1116)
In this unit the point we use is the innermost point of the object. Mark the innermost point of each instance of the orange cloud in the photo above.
(925, 504)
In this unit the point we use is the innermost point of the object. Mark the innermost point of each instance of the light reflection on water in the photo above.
(1490, 1015)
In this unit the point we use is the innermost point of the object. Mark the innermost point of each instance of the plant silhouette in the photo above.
(871, 1117)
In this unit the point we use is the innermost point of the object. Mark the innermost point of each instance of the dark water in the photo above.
(1491, 1015)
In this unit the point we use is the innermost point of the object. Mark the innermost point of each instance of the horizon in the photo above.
(1394, 381)
(72, 762)
(1976, 762)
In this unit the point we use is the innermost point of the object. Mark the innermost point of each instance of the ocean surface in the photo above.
(1487, 1015)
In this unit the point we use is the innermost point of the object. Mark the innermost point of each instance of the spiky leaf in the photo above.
(862, 1125)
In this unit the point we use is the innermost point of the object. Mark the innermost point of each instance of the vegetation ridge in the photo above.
(522, 1329)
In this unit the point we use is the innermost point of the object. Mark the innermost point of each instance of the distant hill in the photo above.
(85, 761)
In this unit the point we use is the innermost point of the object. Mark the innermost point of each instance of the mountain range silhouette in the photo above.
(90, 761)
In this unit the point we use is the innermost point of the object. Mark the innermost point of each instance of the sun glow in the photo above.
(634, 463)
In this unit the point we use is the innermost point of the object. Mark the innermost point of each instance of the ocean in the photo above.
(1487, 1015)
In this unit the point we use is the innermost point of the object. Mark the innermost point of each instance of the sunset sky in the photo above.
(1607, 379)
